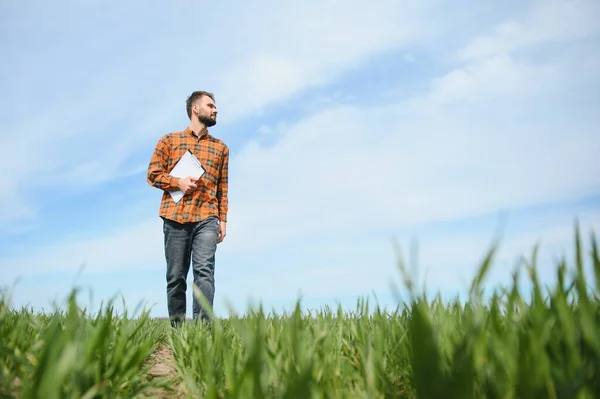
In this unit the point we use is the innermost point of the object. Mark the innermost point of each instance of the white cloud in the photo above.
(417, 161)
(132, 248)
(13, 208)
(302, 45)
(497, 76)
(550, 21)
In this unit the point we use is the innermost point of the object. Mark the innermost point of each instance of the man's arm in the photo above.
(222, 187)
(157, 169)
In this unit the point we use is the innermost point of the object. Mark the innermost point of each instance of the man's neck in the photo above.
(198, 128)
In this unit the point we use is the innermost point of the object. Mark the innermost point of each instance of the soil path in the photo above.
(163, 367)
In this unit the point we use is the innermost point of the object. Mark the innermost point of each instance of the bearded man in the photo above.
(193, 226)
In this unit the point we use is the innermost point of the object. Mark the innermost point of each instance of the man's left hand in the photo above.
(222, 231)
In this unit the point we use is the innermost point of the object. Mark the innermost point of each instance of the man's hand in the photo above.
(187, 184)
(222, 231)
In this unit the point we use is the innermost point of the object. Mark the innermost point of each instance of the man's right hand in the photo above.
(187, 184)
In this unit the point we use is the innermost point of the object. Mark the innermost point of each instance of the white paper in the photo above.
(188, 165)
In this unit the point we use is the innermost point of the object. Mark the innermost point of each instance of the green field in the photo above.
(510, 344)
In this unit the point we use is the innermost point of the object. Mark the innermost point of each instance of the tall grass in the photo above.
(540, 345)
(70, 354)
(544, 343)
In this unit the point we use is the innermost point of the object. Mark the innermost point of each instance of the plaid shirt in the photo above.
(210, 197)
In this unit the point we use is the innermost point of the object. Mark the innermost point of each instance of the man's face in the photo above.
(206, 111)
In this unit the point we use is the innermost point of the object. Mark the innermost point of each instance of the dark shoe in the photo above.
(176, 323)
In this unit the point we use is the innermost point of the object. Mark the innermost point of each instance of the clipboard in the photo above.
(188, 165)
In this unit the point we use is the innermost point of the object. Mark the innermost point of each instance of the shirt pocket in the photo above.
(211, 163)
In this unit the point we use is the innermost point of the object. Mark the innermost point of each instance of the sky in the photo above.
(354, 129)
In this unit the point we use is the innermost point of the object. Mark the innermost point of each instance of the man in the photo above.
(193, 227)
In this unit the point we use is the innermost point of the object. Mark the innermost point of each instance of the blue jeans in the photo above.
(198, 242)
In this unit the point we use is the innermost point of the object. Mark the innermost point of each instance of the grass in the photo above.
(541, 345)
(71, 354)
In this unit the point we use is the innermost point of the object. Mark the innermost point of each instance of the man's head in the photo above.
(201, 105)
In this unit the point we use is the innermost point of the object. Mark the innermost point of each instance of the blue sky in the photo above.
(350, 126)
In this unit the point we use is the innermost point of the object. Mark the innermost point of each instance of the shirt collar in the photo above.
(190, 132)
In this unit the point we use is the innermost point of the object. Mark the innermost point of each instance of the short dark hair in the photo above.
(192, 99)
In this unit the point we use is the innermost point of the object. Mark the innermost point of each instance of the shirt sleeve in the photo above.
(157, 169)
(222, 187)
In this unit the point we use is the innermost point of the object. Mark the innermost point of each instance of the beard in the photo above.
(207, 120)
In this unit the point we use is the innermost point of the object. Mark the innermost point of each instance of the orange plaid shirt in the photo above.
(210, 197)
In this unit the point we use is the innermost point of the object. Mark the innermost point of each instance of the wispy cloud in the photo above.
(138, 247)
(549, 22)
(418, 161)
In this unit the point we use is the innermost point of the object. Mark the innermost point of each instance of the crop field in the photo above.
(541, 343)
